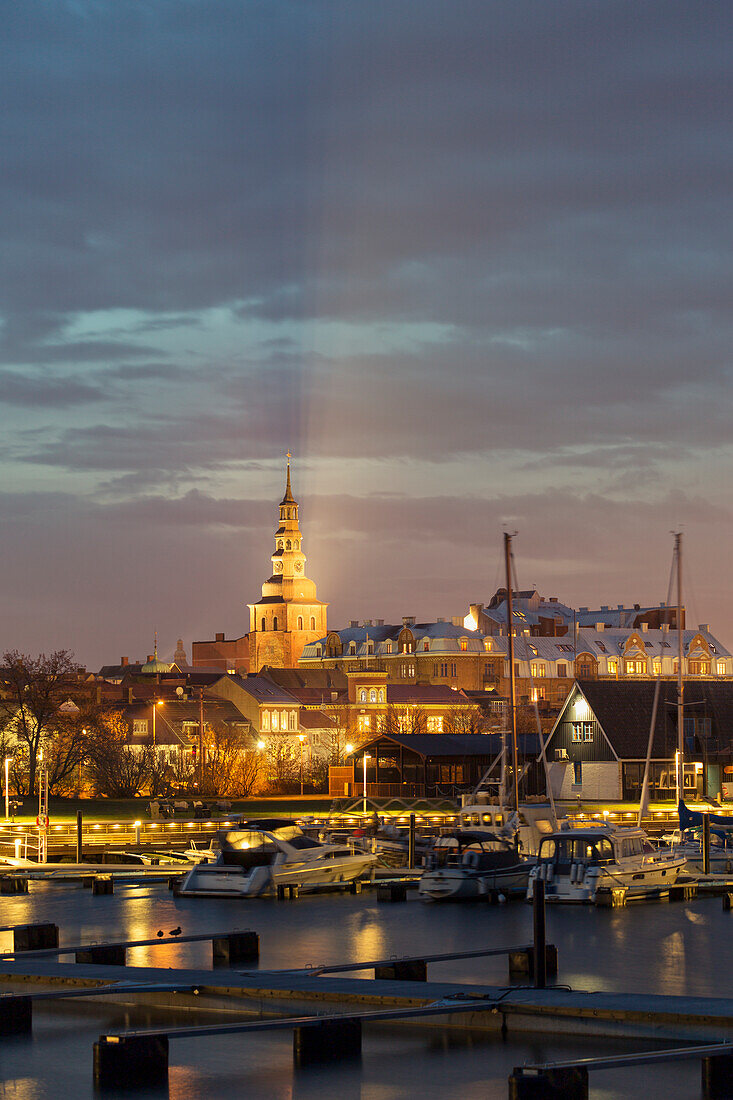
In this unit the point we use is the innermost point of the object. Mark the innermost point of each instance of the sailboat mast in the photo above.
(680, 680)
(512, 684)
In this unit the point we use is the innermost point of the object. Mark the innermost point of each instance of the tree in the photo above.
(117, 769)
(229, 768)
(403, 720)
(470, 720)
(343, 732)
(34, 720)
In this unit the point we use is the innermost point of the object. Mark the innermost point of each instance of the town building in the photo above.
(287, 616)
(597, 748)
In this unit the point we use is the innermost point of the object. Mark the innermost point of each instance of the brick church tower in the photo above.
(289, 615)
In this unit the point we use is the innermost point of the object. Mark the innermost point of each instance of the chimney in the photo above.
(704, 628)
(441, 620)
(124, 661)
(367, 622)
(219, 638)
(408, 620)
(637, 607)
(662, 604)
(150, 657)
(619, 607)
(644, 628)
(604, 607)
(553, 599)
(600, 627)
(457, 620)
(379, 622)
(353, 622)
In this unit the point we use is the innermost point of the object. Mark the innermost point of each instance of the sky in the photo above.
(470, 262)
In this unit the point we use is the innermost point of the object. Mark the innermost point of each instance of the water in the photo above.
(664, 948)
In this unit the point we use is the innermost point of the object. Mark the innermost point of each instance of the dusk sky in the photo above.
(470, 263)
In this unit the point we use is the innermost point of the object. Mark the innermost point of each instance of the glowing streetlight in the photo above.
(260, 745)
(7, 788)
(301, 738)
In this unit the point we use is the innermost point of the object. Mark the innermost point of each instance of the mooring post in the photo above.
(706, 844)
(124, 1061)
(716, 1077)
(235, 947)
(411, 843)
(16, 1014)
(570, 1083)
(78, 836)
(540, 954)
(327, 1041)
(34, 937)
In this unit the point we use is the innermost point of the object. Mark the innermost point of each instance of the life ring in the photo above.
(42, 821)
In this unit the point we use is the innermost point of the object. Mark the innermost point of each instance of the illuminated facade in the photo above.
(289, 615)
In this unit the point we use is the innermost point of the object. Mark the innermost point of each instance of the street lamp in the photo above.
(7, 788)
(157, 703)
(260, 745)
(366, 757)
(301, 738)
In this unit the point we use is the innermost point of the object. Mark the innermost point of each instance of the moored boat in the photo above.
(466, 865)
(575, 863)
(258, 856)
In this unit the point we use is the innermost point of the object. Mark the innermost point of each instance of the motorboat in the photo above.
(689, 842)
(257, 856)
(529, 824)
(467, 865)
(575, 863)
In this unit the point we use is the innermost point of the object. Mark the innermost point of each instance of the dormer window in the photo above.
(352, 649)
(388, 647)
(426, 647)
(487, 645)
(464, 644)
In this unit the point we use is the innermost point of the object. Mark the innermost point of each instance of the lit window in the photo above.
(426, 647)
(613, 666)
(435, 723)
(291, 720)
(365, 723)
(721, 668)
(487, 645)
(140, 726)
(464, 645)
(275, 720)
(538, 668)
(362, 696)
(388, 647)
(657, 666)
(381, 695)
(373, 696)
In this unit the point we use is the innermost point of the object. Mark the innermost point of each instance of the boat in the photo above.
(256, 857)
(466, 865)
(528, 825)
(575, 863)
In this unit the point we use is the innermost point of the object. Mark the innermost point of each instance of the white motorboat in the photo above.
(575, 863)
(467, 865)
(258, 856)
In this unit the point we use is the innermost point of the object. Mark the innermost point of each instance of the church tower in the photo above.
(289, 615)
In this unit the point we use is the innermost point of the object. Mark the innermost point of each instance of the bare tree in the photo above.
(229, 768)
(118, 770)
(470, 720)
(34, 688)
(403, 720)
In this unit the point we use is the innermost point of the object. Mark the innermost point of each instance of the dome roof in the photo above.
(154, 665)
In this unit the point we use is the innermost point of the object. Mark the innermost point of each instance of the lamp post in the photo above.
(7, 788)
(301, 738)
(156, 703)
(366, 757)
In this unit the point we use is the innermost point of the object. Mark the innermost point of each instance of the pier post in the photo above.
(103, 884)
(717, 1077)
(234, 948)
(103, 954)
(522, 963)
(16, 1014)
(79, 852)
(549, 1084)
(403, 970)
(392, 891)
(540, 954)
(327, 1041)
(34, 937)
(120, 1061)
(411, 843)
(12, 884)
(706, 844)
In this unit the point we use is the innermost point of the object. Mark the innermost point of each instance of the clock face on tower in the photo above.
(298, 566)
(278, 567)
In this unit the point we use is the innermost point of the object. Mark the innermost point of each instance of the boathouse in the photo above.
(431, 765)
(598, 745)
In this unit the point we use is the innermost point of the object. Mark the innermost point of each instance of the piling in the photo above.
(16, 1014)
(34, 937)
(706, 844)
(403, 970)
(683, 892)
(102, 954)
(727, 900)
(522, 967)
(235, 947)
(355, 887)
(717, 1077)
(102, 884)
(11, 884)
(392, 891)
(549, 1084)
(411, 843)
(121, 1062)
(540, 953)
(287, 892)
(327, 1041)
(79, 852)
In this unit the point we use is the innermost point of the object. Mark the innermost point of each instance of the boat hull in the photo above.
(581, 888)
(457, 884)
(229, 880)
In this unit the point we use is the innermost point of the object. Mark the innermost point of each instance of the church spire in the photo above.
(288, 498)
